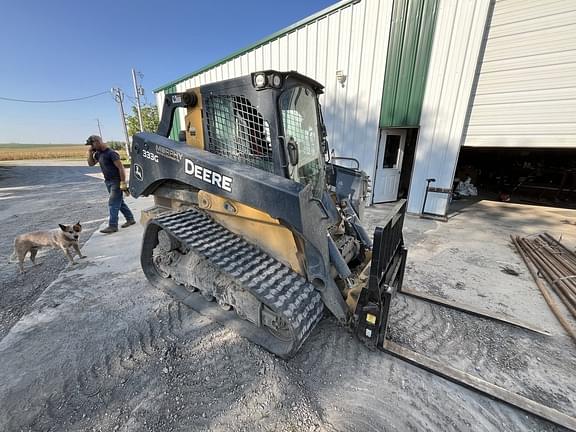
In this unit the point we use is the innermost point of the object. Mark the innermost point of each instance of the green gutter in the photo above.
(261, 42)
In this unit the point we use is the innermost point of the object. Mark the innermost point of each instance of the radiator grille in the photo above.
(237, 131)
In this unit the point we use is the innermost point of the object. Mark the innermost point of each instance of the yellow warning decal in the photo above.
(371, 318)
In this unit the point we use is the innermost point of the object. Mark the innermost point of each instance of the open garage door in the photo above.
(525, 95)
(520, 175)
(519, 141)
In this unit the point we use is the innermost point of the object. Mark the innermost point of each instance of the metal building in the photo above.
(409, 82)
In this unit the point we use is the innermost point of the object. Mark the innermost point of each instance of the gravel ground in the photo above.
(101, 350)
(38, 197)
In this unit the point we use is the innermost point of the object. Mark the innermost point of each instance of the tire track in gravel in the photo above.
(174, 370)
(100, 375)
(499, 353)
(361, 390)
(187, 373)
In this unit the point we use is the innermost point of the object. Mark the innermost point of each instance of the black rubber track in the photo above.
(274, 284)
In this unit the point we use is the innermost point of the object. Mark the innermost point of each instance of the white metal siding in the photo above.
(352, 39)
(526, 92)
(160, 102)
(458, 35)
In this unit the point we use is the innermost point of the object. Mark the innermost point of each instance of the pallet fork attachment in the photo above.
(372, 312)
(385, 279)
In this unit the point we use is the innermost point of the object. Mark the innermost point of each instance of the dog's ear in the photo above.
(62, 227)
(78, 223)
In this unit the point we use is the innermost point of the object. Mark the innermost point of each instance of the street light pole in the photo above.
(137, 94)
(119, 97)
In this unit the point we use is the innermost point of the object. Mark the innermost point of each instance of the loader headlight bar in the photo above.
(262, 80)
(189, 99)
(276, 81)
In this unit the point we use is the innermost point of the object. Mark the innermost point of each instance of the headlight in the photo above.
(260, 80)
(276, 81)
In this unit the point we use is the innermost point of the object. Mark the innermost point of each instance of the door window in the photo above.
(391, 151)
(299, 113)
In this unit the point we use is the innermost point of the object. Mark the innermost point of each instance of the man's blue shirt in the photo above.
(106, 160)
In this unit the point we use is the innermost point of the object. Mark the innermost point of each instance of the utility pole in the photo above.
(119, 97)
(137, 90)
(99, 128)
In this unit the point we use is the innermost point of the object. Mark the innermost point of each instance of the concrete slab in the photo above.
(463, 259)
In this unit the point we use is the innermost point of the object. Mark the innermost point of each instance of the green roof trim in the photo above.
(341, 4)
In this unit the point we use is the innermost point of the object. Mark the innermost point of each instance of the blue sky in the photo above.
(63, 49)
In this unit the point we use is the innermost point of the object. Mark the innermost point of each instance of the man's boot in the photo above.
(128, 223)
(109, 230)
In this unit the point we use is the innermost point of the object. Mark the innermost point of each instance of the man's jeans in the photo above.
(116, 203)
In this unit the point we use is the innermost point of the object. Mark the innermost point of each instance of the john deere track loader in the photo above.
(253, 224)
(257, 227)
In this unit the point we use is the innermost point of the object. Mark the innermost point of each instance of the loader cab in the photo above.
(267, 120)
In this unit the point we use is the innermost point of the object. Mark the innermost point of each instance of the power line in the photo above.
(54, 101)
(133, 99)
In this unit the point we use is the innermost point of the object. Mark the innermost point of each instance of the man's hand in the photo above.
(124, 188)
(90, 157)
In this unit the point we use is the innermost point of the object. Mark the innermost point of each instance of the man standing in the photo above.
(115, 180)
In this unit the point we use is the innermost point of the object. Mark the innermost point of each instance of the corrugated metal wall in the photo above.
(352, 39)
(160, 101)
(409, 48)
(526, 92)
(459, 31)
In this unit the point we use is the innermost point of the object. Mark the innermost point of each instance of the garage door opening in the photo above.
(519, 175)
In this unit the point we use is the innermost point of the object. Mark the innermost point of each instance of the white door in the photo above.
(389, 165)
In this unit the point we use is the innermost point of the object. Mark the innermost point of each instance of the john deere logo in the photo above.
(138, 172)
